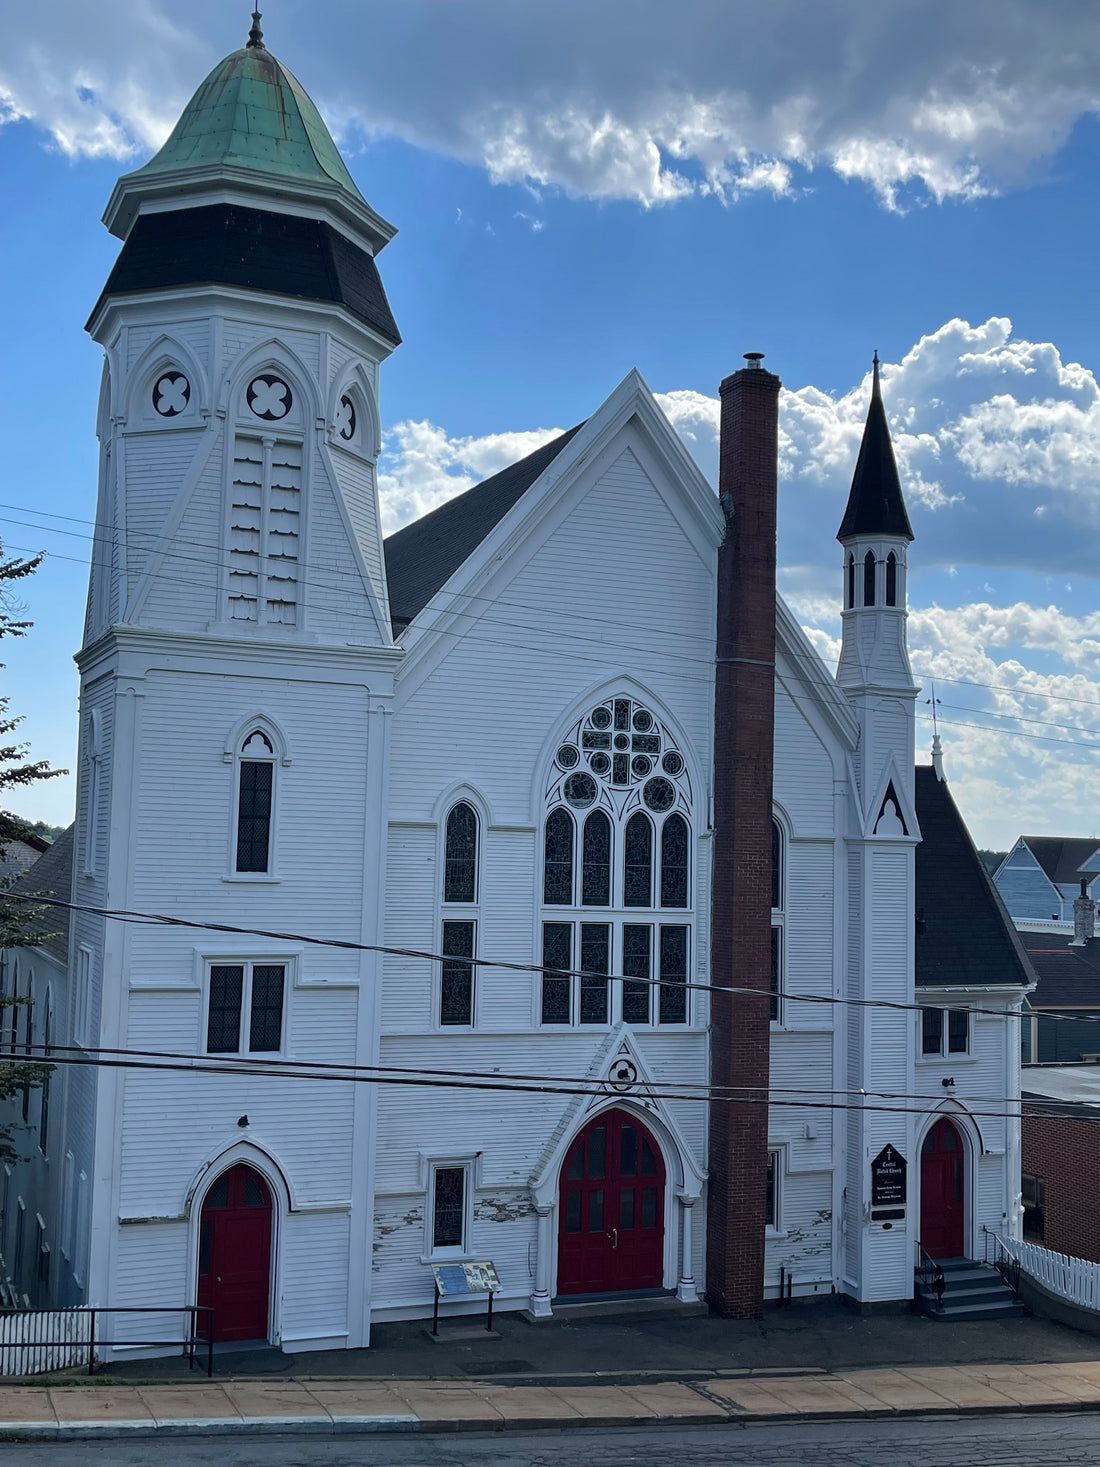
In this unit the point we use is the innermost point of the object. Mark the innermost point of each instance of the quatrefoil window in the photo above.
(345, 419)
(171, 394)
(269, 398)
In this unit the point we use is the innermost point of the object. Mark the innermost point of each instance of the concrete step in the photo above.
(1011, 1308)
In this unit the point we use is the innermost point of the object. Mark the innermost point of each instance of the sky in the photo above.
(583, 189)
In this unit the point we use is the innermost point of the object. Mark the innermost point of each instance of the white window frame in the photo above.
(779, 924)
(459, 911)
(775, 1228)
(617, 918)
(944, 1054)
(247, 962)
(467, 1164)
(275, 759)
(91, 812)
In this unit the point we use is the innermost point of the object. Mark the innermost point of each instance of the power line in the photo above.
(676, 985)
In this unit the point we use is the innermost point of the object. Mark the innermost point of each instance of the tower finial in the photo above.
(874, 386)
(256, 35)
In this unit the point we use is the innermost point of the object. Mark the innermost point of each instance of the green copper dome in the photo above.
(250, 112)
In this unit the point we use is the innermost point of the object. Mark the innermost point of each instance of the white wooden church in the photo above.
(561, 734)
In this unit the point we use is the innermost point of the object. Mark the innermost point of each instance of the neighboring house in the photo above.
(36, 1247)
(1061, 1158)
(503, 718)
(22, 852)
(1041, 877)
(1062, 1020)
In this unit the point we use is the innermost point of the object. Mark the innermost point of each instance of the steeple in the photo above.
(875, 504)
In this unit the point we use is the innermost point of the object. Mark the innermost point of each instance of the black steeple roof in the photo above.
(875, 505)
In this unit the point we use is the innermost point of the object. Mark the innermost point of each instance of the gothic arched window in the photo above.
(778, 918)
(460, 855)
(891, 579)
(557, 877)
(869, 578)
(674, 862)
(596, 861)
(851, 579)
(255, 799)
(638, 862)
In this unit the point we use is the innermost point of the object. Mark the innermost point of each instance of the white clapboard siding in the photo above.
(23, 1334)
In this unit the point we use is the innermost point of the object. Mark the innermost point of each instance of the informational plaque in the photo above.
(453, 1279)
(888, 1178)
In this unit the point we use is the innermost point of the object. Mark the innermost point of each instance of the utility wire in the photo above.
(677, 985)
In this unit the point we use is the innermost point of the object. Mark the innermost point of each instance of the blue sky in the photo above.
(575, 202)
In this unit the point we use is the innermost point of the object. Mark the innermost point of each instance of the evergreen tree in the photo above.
(18, 924)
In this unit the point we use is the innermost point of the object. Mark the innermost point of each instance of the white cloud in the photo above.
(621, 100)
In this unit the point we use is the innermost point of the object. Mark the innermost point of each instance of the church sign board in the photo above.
(888, 1180)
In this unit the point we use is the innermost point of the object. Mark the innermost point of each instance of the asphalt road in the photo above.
(941, 1441)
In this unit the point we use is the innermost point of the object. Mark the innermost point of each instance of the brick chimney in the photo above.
(744, 719)
(1084, 917)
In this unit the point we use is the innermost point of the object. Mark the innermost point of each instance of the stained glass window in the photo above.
(891, 579)
(448, 1206)
(254, 813)
(223, 1025)
(869, 578)
(638, 862)
(673, 975)
(456, 1001)
(777, 867)
(674, 862)
(265, 1029)
(557, 952)
(596, 965)
(777, 972)
(460, 856)
(596, 861)
(557, 881)
(636, 940)
(659, 794)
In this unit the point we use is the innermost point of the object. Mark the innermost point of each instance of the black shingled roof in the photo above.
(964, 932)
(280, 254)
(52, 873)
(1069, 977)
(423, 556)
(875, 504)
(1062, 857)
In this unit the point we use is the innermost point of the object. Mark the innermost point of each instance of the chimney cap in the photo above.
(754, 358)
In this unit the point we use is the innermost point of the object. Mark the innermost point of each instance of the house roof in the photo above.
(1076, 1084)
(52, 873)
(964, 932)
(1062, 858)
(1069, 977)
(422, 557)
(875, 504)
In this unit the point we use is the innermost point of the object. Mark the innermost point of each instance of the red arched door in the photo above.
(943, 1192)
(611, 1229)
(235, 1255)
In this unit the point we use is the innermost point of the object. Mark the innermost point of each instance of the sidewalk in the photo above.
(333, 1406)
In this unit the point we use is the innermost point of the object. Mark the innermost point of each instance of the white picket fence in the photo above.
(1074, 1279)
(23, 1337)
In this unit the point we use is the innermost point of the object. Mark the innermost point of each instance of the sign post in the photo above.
(457, 1280)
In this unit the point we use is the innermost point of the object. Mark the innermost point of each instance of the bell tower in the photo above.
(236, 677)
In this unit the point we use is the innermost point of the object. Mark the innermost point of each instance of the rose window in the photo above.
(171, 394)
(620, 754)
(269, 398)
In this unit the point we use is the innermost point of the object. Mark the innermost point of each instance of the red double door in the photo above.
(611, 1228)
(943, 1192)
(235, 1255)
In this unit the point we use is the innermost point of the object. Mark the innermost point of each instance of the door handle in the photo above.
(614, 1236)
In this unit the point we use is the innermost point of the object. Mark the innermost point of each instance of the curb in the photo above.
(12, 1431)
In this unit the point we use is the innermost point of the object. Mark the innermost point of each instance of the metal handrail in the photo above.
(95, 1310)
(932, 1267)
